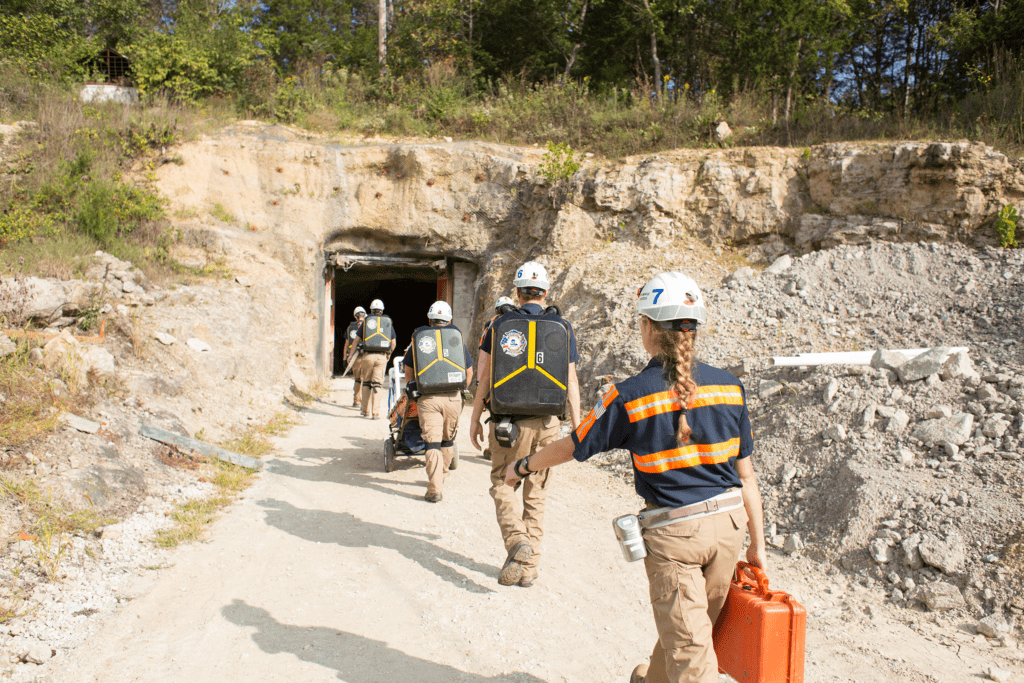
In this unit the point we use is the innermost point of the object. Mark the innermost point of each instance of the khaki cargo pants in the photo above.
(357, 377)
(690, 565)
(516, 528)
(439, 420)
(375, 365)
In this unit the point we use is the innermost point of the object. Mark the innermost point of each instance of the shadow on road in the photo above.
(349, 466)
(349, 531)
(356, 659)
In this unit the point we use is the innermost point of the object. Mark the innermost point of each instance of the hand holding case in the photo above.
(759, 635)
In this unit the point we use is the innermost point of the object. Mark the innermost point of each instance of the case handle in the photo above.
(759, 576)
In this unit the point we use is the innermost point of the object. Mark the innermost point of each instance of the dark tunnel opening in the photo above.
(406, 291)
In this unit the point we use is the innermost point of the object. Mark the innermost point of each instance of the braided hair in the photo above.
(676, 350)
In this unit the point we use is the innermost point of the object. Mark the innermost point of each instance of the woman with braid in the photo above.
(686, 425)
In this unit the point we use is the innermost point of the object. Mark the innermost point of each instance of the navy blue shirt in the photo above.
(641, 414)
(407, 360)
(531, 309)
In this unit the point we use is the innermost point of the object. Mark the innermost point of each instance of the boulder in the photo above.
(959, 365)
(938, 412)
(888, 360)
(793, 544)
(910, 554)
(919, 367)
(780, 265)
(956, 429)
(769, 388)
(835, 433)
(741, 275)
(198, 345)
(946, 555)
(941, 596)
(164, 338)
(993, 626)
(7, 347)
(898, 422)
(881, 552)
(831, 389)
(37, 654)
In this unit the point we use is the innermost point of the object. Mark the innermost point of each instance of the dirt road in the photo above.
(329, 569)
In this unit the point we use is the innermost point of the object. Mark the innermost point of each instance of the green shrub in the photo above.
(1006, 226)
(558, 162)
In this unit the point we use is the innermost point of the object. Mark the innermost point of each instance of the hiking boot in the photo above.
(433, 497)
(527, 581)
(512, 571)
(639, 674)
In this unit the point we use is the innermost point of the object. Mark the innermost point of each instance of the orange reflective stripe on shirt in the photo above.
(598, 411)
(655, 404)
(717, 394)
(687, 456)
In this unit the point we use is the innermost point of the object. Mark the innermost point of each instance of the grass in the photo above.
(193, 516)
(50, 524)
(220, 213)
(32, 406)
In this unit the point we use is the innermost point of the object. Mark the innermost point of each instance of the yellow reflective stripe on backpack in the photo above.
(531, 358)
(439, 356)
(377, 332)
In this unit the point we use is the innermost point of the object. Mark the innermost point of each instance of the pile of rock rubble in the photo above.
(907, 473)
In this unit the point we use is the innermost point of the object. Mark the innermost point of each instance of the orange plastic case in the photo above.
(759, 636)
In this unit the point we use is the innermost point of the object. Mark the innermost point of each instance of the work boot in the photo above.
(433, 497)
(512, 571)
(639, 674)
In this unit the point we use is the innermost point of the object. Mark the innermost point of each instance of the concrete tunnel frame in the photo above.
(407, 284)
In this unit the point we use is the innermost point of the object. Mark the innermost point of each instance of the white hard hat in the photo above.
(674, 300)
(504, 301)
(532, 274)
(440, 310)
(376, 305)
(359, 309)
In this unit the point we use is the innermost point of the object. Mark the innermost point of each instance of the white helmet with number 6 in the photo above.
(532, 274)
(377, 305)
(674, 300)
(440, 310)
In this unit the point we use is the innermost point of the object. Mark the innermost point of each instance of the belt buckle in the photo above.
(712, 506)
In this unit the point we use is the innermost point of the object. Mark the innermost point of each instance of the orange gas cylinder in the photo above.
(759, 636)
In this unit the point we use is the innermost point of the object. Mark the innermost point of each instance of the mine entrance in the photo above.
(406, 285)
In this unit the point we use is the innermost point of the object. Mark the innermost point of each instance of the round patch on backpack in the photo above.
(513, 342)
(371, 324)
(426, 345)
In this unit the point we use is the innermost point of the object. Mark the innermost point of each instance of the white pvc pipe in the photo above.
(845, 357)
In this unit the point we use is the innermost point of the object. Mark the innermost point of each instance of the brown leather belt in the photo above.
(709, 506)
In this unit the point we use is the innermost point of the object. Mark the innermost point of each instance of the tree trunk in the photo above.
(906, 74)
(654, 51)
(792, 75)
(576, 46)
(382, 36)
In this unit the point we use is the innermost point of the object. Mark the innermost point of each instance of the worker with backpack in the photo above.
(687, 428)
(438, 368)
(502, 306)
(376, 342)
(527, 377)
(352, 354)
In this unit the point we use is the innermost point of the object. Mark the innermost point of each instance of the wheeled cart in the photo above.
(404, 435)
